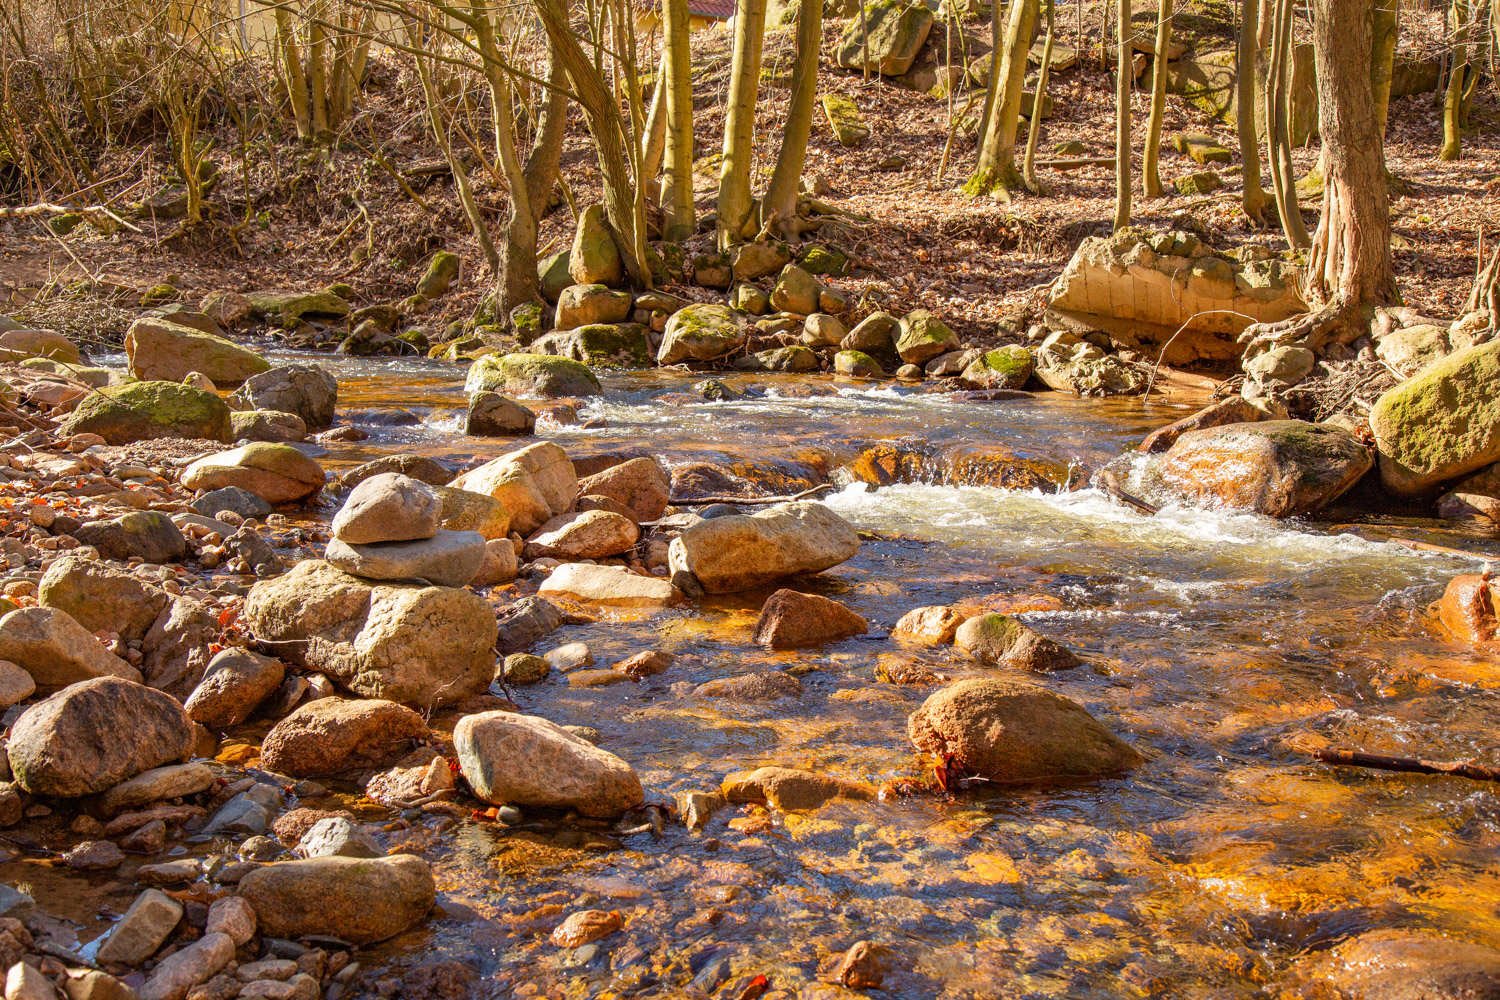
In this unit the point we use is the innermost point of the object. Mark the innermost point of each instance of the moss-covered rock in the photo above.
(713, 270)
(817, 259)
(753, 261)
(702, 332)
(856, 364)
(750, 299)
(781, 359)
(284, 307)
(923, 336)
(1199, 182)
(1006, 367)
(143, 411)
(1089, 376)
(88, 375)
(603, 345)
(796, 291)
(582, 305)
(896, 33)
(848, 125)
(531, 375)
(595, 259)
(62, 225)
(552, 274)
(526, 321)
(158, 294)
(1442, 423)
(442, 271)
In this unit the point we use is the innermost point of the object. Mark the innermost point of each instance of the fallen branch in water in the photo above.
(705, 501)
(1128, 500)
(1382, 762)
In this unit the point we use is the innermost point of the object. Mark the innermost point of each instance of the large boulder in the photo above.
(17, 345)
(1208, 81)
(288, 307)
(145, 411)
(535, 483)
(600, 345)
(389, 507)
(160, 350)
(1280, 468)
(896, 33)
(102, 596)
(1234, 410)
(922, 337)
(333, 735)
(1442, 423)
(57, 651)
(1008, 731)
(1169, 289)
(277, 473)
(534, 376)
(509, 758)
(640, 484)
(420, 467)
(584, 305)
(493, 415)
(92, 735)
(400, 641)
(1081, 374)
(595, 258)
(309, 391)
(447, 559)
(360, 900)
(741, 552)
(700, 332)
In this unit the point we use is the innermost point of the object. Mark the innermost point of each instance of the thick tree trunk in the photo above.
(734, 205)
(677, 77)
(1150, 172)
(779, 207)
(296, 79)
(1453, 97)
(1028, 167)
(1253, 199)
(996, 173)
(1122, 118)
(1350, 264)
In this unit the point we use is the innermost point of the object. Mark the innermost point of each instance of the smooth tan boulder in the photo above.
(526, 760)
(790, 619)
(741, 552)
(57, 651)
(277, 473)
(162, 350)
(535, 483)
(332, 735)
(590, 534)
(612, 586)
(791, 789)
(360, 900)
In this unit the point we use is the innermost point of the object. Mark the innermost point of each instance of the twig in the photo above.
(47, 208)
(1127, 499)
(1410, 765)
(705, 501)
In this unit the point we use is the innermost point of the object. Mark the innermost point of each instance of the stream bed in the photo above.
(1218, 869)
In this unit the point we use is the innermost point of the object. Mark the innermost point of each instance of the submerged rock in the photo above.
(56, 747)
(1392, 964)
(1469, 608)
(360, 900)
(1280, 468)
(524, 760)
(407, 642)
(741, 552)
(1005, 641)
(332, 735)
(1008, 731)
(766, 685)
(789, 789)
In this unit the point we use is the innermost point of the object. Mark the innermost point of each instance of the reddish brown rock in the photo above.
(934, 624)
(586, 925)
(331, 735)
(640, 484)
(1234, 410)
(790, 619)
(790, 789)
(645, 664)
(1468, 608)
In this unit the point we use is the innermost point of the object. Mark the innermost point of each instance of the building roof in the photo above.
(718, 10)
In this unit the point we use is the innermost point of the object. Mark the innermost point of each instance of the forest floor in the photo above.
(317, 217)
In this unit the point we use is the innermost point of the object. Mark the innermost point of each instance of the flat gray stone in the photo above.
(448, 559)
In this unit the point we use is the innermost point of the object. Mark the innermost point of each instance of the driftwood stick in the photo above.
(1129, 500)
(47, 208)
(705, 501)
(1411, 765)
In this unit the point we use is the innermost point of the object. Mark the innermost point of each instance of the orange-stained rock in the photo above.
(790, 619)
(934, 624)
(1468, 608)
(1234, 410)
(586, 925)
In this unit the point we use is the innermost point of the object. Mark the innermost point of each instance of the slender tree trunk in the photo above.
(739, 122)
(1384, 33)
(677, 74)
(992, 86)
(1122, 118)
(1253, 198)
(1458, 67)
(1028, 169)
(1278, 128)
(1150, 172)
(1350, 264)
(296, 79)
(996, 173)
(543, 162)
(516, 278)
(779, 206)
(1267, 24)
(656, 120)
(317, 77)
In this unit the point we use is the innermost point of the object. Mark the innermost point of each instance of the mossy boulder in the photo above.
(531, 375)
(701, 332)
(526, 321)
(1442, 423)
(604, 345)
(1006, 367)
(713, 270)
(822, 260)
(922, 337)
(848, 125)
(163, 351)
(442, 271)
(62, 225)
(582, 305)
(552, 274)
(284, 307)
(88, 375)
(1199, 182)
(595, 259)
(751, 299)
(144, 411)
(781, 359)
(1201, 148)
(856, 364)
(896, 33)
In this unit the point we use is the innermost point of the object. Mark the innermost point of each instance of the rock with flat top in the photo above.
(790, 619)
(181, 971)
(447, 559)
(142, 930)
(160, 350)
(277, 473)
(57, 651)
(592, 534)
(612, 586)
(360, 900)
(741, 552)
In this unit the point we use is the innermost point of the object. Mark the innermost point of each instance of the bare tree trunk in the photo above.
(656, 120)
(1267, 22)
(677, 77)
(543, 162)
(1384, 33)
(296, 79)
(1278, 128)
(1150, 174)
(1028, 167)
(739, 122)
(779, 206)
(317, 77)
(1122, 119)
(1253, 199)
(1458, 68)
(995, 173)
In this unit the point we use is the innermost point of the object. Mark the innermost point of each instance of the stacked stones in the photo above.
(389, 529)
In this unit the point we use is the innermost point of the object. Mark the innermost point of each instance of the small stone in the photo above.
(338, 837)
(862, 967)
(278, 969)
(25, 982)
(571, 656)
(525, 668)
(94, 855)
(587, 926)
(1005, 641)
(142, 930)
(645, 664)
(233, 917)
(197, 963)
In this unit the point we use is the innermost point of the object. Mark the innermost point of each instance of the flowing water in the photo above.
(1215, 869)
